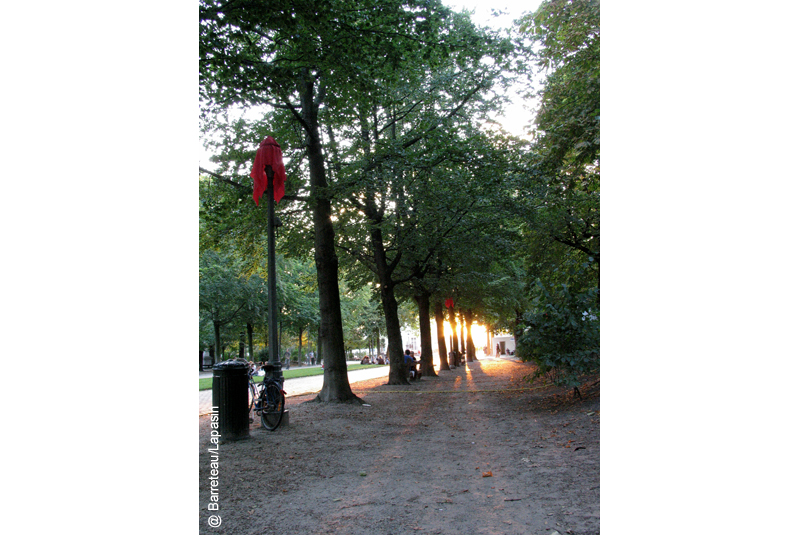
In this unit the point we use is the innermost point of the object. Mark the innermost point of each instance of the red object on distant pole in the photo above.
(269, 153)
(449, 303)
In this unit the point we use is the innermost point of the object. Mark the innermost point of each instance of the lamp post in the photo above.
(272, 284)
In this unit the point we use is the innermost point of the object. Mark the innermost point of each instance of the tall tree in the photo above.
(222, 294)
(423, 299)
(562, 327)
(565, 174)
(300, 309)
(433, 198)
(440, 341)
(298, 56)
(256, 307)
(410, 75)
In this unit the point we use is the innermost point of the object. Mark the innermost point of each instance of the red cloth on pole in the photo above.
(268, 153)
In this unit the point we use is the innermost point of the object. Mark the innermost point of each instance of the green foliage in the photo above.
(299, 303)
(361, 315)
(233, 293)
(559, 190)
(564, 177)
(561, 334)
(569, 118)
(206, 332)
(221, 288)
(396, 94)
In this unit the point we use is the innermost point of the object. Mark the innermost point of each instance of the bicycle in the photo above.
(253, 386)
(252, 392)
(268, 398)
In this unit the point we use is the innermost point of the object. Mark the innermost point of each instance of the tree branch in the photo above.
(448, 116)
(367, 260)
(578, 246)
(223, 179)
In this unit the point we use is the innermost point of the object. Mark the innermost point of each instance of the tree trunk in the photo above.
(517, 331)
(470, 344)
(439, 315)
(454, 330)
(217, 342)
(394, 350)
(384, 269)
(319, 348)
(463, 338)
(335, 384)
(300, 348)
(311, 347)
(250, 341)
(241, 345)
(426, 357)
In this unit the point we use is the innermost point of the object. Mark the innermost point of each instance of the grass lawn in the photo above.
(205, 382)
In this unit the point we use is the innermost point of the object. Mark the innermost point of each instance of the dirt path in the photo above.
(476, 450)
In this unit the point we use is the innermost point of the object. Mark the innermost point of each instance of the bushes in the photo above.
(562, 334)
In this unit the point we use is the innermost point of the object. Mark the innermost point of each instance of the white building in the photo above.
(506, 343)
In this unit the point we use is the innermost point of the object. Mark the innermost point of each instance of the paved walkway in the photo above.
(301, 385)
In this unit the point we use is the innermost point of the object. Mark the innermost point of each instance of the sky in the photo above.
(517, 115)
(483, 10)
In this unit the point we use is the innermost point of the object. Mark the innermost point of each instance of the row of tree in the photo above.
(395, 181)
(234, 308)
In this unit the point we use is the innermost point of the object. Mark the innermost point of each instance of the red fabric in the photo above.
(449, 303)
(269, 153)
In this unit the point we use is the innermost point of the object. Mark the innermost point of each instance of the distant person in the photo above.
(498, 350)
(411, 364)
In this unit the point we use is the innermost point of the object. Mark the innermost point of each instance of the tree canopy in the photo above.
(398, 188)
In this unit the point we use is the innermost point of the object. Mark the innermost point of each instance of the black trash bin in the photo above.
(229, 395)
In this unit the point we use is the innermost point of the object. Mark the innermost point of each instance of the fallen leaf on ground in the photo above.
(487, 474)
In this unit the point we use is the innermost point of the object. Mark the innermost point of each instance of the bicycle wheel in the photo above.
(272, 407)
